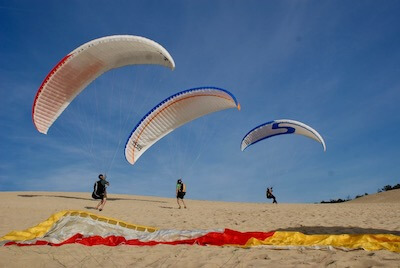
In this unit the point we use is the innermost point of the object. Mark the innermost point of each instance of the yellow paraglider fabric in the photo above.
(225, 237)
(42, 228)
(349, 241)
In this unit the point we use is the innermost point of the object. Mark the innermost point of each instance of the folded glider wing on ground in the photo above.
(172, 113)
(82, 227)
(280, 127)
(83, 65)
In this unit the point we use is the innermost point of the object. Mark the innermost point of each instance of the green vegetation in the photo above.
(389, 187)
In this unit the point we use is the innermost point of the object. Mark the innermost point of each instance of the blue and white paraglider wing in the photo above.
(280, 127)
(172, 113)
(84, 64)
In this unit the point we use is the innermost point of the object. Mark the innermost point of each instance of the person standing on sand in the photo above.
(270, 195)
(180, 192)
(100, 191)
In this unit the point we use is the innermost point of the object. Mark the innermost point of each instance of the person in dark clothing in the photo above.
(270, 195)
(100, 191)
(180, 192)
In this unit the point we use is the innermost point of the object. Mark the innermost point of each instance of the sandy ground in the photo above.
(376, 214)
(392, 196)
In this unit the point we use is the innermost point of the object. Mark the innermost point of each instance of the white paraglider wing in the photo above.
(172, 113)
(280, 127)
(83, 65)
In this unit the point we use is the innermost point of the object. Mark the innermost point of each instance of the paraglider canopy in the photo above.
(280, 127)
(172, 113)
(83, 65)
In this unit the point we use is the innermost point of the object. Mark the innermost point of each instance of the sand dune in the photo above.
(21, 210)
(392, 196)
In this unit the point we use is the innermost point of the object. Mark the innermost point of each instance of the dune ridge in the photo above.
(392, 196)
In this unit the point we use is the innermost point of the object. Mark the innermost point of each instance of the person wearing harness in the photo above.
(100, 191)
(180, 192)
(270, 195)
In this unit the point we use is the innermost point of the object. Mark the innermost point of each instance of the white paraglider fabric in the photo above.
(83, 65)
(172, 113)
(280, 127)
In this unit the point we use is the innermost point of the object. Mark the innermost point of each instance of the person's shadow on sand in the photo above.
(91, 208)
(82, 198)
(59, 196)
(167, 207)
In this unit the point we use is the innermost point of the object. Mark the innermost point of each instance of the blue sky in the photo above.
(333, 65)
